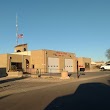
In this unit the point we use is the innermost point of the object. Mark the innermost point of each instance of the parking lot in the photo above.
(10, 85)
(36, 93)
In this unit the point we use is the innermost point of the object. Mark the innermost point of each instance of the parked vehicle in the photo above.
(105, 67)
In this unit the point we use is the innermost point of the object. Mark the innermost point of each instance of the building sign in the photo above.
(60, 53)
(80, 66)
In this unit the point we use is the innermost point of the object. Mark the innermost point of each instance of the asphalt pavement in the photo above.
(13, 85)
(91, 91)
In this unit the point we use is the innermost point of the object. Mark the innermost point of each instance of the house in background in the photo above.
(100, 63)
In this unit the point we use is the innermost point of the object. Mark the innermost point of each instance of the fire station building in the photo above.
(44, 61)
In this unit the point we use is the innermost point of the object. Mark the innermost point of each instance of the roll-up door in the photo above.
(69, 65)
(53, 65)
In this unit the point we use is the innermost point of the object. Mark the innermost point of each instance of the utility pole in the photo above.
(77, 70)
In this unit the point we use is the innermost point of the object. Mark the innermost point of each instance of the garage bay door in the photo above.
(69, 65)
(53, 65)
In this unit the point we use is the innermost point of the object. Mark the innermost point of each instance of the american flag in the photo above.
(20, 35)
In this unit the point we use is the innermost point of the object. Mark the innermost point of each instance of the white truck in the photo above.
(105, 67)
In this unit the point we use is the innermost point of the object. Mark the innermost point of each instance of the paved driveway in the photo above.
(17, 85)
(85, 93)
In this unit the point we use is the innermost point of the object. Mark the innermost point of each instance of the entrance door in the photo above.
(27, 64)
(17, 66)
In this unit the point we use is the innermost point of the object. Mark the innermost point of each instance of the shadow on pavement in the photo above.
(12, 79)
(5, 96)
(88, 96)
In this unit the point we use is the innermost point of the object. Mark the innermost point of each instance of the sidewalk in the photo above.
(11, 86)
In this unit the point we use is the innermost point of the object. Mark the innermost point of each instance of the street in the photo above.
(91, 94)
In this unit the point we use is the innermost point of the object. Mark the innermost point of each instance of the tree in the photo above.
(108, 54)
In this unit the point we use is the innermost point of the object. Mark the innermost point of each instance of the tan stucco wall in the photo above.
(40, 58)
(3, 65)
(83, 60)
(3, 60)
(37, 59)
(21, 47)
(6, 59)
(62, 56)
(15, 58)
(18, 59)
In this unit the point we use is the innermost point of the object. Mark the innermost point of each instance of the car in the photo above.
(105, 67)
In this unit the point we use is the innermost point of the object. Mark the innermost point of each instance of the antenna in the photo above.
(16, 29)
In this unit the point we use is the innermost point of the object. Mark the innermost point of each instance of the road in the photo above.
(91, 94)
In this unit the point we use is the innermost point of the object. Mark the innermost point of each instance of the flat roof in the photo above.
(20, 45)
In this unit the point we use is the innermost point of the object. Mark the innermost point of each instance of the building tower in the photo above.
(21, 48)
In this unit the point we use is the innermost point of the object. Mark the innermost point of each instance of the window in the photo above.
(33, 66)
(87, 65)
(24, 49)
(18, 51)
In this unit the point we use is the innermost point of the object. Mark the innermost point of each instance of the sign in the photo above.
(80, 66)
(60, 53)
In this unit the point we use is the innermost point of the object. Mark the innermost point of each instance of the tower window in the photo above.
(18, 51)
(24, 49)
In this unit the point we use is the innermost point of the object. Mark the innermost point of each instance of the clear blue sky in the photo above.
(78, 26)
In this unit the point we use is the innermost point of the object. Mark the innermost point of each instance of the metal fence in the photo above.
(42, 70)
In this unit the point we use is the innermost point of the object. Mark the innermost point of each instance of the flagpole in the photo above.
(16, 29)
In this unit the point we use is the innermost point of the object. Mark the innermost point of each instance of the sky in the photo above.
(77, 26)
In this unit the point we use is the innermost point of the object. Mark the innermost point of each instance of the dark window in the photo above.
(16, 66)
(24, 49)
(33, 66)
(87, 65)
(18, 51)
